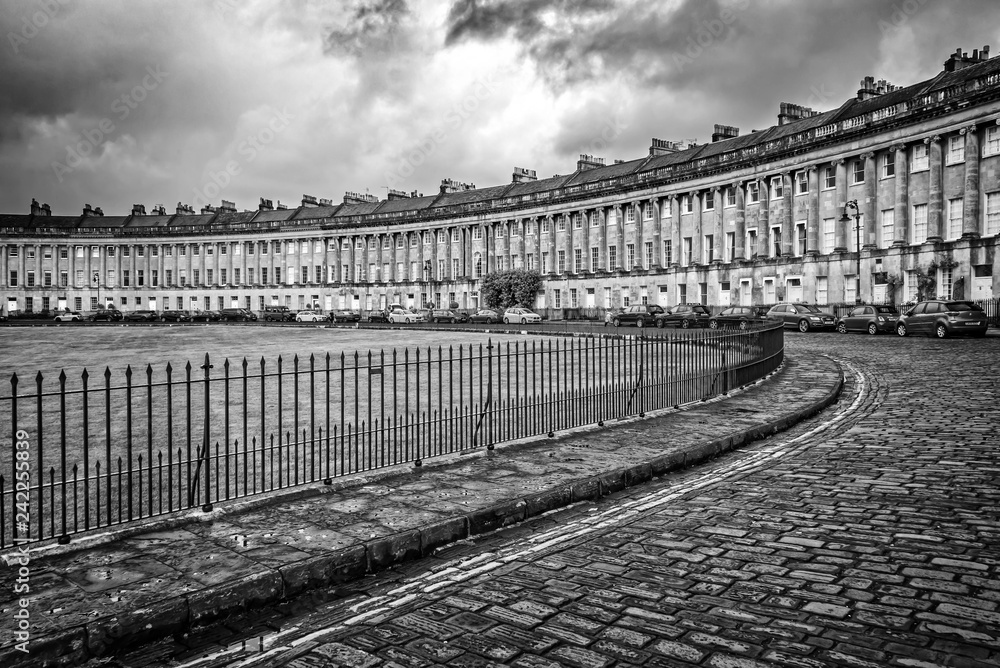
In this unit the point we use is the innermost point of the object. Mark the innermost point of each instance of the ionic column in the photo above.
(787, 222)
(696, 244)
(812, 221)
(901, 209)
(718, 231)
(675, 229)
(970, 205)
(840, 237)
(935, 202)
(870, 205)
(552, 243)
(740, 231)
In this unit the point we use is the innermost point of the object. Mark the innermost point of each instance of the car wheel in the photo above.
(803, 326)
(872, 328)
(490, 321)
(454, 321)
(685, 324)
(744, 325)
(616, 322)
(842, 328)
(941, 331)
(901, 329)
(506, 321)
(713, 324)
(524, 321)
(659, 323)
(640, 323)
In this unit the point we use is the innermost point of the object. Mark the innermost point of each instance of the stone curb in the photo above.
(105, 635)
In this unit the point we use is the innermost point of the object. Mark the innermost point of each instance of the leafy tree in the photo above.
(516, 287)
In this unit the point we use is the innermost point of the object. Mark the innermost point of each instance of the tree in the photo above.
(516, 287)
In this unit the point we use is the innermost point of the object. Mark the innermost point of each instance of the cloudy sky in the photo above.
(116, 102)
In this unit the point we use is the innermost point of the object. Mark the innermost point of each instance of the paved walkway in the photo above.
(132, 587)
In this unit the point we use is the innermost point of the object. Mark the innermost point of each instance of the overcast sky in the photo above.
(113, 103)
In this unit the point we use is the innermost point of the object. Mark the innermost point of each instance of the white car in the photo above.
(404, 316)
(69, 317)
(520, 315)
(309, 316)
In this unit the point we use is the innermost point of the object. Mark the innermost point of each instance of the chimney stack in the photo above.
(227, 207)
(522, 175)
(185, 209)
(87, 211)
(588, 162)
(453, 186)
(960, 60)
(98, 212)
(208, 208)
(789, 113)
(36, 208)
(724, 132)
(46, 210)
(265, 205)
(309, 201)
(138, 209)
(159, 210)
(325, 202)
(358, 198)
(396, 194)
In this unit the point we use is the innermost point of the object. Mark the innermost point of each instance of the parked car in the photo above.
(520, 315)
(107, 315)
(378, 316)
(742, 317)
(423, 314)
(141, 316)
(278, 313)
(237, 315)
(345, 315)
(609, 315)
(869, 318)
(684, 316)
(404, 316)
(176, 316)
(309, 316)
(447, 315)
(803, 317)
(489, 316)
(640, 315)
(206, 316)
(943, 318)
(68, 316)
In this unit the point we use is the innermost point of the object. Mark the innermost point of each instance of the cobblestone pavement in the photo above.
(866, 536)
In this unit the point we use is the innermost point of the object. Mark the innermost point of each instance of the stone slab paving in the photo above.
(166, 582)
(866, 536)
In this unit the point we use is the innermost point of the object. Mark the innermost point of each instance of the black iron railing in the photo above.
(125, 448)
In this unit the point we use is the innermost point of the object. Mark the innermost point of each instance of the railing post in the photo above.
(207, 506)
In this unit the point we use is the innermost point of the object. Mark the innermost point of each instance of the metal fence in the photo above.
(114, 449)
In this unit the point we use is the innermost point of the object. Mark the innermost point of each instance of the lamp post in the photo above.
(97, 281)
(857, 237)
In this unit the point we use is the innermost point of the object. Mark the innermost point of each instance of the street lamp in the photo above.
(857, 238)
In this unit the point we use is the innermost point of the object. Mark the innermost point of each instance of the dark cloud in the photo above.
(375, 28)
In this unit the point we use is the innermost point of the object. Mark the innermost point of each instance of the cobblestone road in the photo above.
(867, 536)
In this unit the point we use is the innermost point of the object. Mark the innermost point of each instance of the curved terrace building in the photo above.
(750, 219)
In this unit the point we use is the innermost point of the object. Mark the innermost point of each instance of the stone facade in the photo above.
(750, 219)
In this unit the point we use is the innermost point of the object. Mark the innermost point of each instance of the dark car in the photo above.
(206, 316)
(640, 315)
(684, 316)
(742, 317)
(803, 317)
(141, 316)
(943, 318)
(278, 313)
(378, 316)
(344, 315)
(175, 316)
(869, 318)
(107, 315)
(486, 315)
(237, 315)
(447, 315)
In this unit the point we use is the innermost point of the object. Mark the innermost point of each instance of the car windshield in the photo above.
(808, 307)
(885, 309)
(962, 306)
